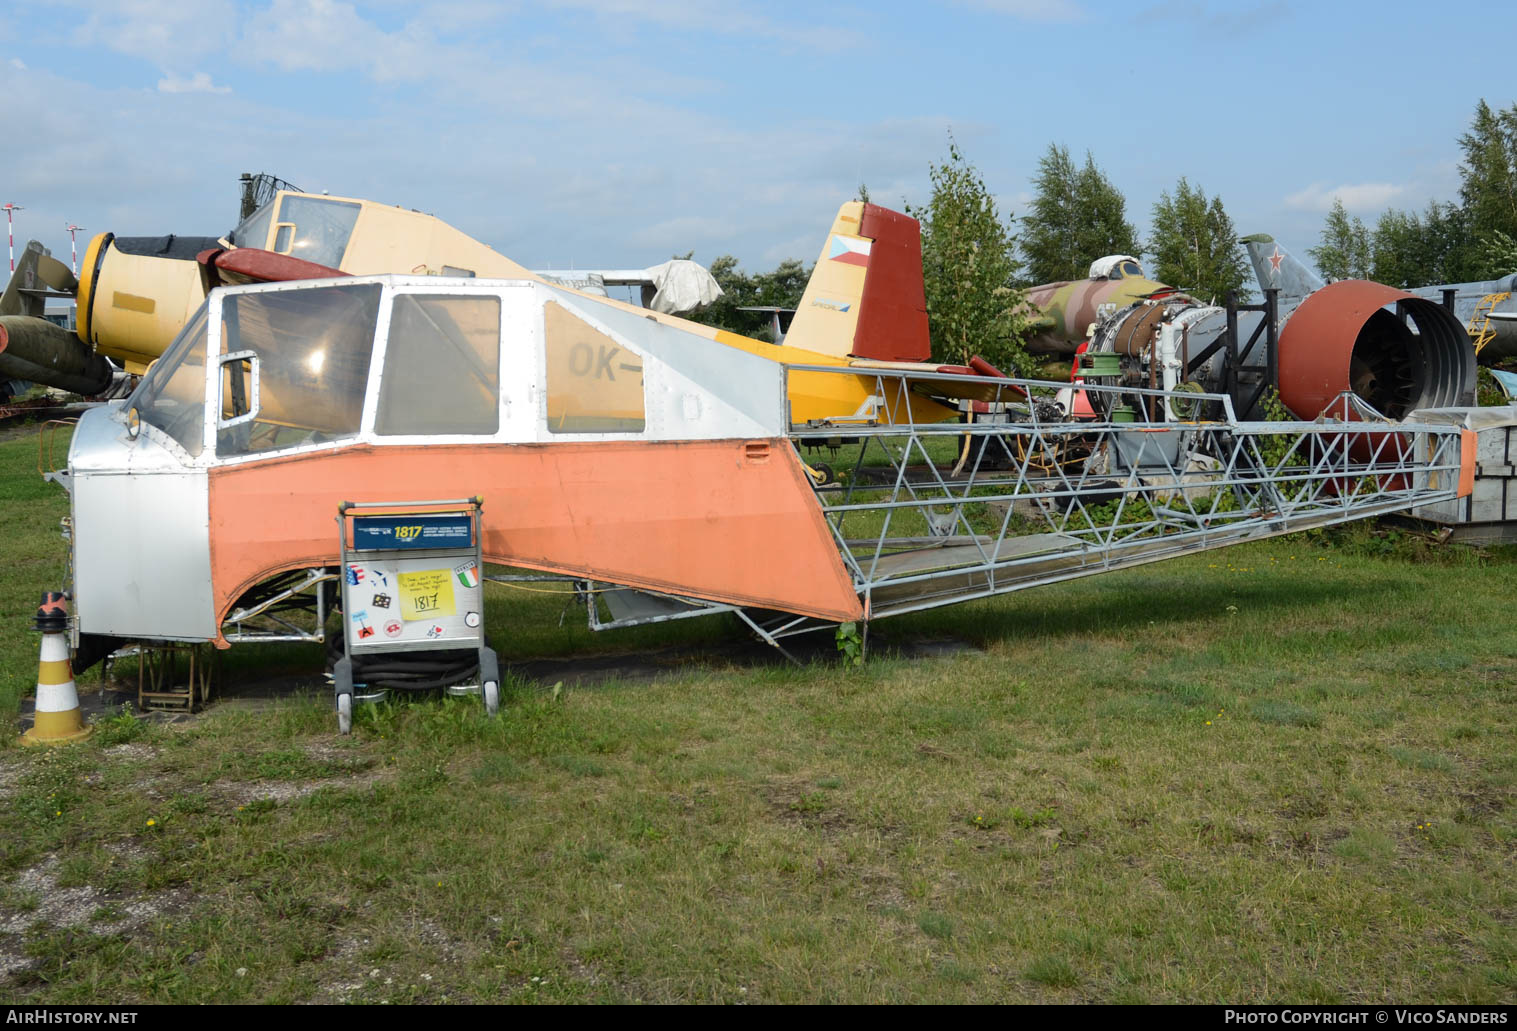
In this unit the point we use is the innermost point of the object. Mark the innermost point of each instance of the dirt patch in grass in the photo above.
(45, 901)
(804, 802)
(131, 752)
(10, 773)
(282, 791)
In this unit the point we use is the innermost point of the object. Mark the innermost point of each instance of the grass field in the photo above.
(1283, 772)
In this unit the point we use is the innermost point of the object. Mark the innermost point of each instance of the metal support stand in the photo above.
(158, 685)
(1237, 357)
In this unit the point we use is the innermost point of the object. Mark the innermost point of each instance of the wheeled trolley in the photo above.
(412, 582)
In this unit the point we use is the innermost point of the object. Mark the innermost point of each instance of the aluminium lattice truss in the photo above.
(933, 514)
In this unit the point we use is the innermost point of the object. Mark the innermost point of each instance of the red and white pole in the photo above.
(9, 229)
(73, 248)
(10, 234)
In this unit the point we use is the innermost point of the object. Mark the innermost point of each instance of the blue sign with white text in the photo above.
(404, 533)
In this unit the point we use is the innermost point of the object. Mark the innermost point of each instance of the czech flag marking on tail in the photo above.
(850, 250)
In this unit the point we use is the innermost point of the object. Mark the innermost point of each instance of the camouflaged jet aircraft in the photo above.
(1067, 310)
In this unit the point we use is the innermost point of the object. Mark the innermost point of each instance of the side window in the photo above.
(315, 229)
(595, 385)
(305, 378)
(442, 366)
(253, 231)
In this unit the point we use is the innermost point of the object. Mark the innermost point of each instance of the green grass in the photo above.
(1283, 772)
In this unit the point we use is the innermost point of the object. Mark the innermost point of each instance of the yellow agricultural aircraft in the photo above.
(863, 308)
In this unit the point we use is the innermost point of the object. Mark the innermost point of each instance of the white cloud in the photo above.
(166, 32)
(328, 35)
(18, 64)
(200, 82)
(1355, 196)
(685, 232)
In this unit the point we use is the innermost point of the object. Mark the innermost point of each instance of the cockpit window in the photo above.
(253, 231)
(306, 381)
(172, 395)
(441, 367)
(321, 229)
(1126, 270)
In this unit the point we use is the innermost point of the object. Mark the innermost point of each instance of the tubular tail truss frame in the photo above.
(1021, 515)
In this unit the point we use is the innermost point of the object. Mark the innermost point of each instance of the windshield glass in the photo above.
(253, 231)
(172, 395)
(321, 229)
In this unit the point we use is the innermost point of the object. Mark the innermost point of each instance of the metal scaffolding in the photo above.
(1040, 499)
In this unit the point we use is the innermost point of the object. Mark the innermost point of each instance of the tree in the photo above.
(1500, 252)
(1397, 248)
(1489, 172)
(1194, 244)
(1345, 249)
(781, 288)
(1077, 215)
(1452, 243)
(1410, 250)
(969, 265)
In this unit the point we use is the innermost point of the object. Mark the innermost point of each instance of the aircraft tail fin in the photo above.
(1275, 268)
(866, 296)
(37, 273)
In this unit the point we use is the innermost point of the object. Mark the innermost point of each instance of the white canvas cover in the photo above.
(682, 286)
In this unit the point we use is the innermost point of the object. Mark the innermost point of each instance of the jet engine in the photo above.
(1396, 352)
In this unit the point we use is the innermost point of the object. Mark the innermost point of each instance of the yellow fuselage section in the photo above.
(131, 306)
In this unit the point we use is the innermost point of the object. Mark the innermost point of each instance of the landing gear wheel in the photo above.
(492, 697)
(825, 472)
(345, 714)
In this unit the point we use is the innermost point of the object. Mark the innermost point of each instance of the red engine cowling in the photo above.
(1346, 337)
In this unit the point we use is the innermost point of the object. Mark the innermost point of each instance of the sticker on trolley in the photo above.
(468, 574)
(435, 630)
(471, 619)
(426, 594)
(360, 615)
(382, 601)
(355, 575)
(393, 628)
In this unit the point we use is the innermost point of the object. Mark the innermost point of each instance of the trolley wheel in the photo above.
(344, 714)
(492, 697)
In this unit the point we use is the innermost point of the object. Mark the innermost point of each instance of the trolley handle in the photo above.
(477, 501)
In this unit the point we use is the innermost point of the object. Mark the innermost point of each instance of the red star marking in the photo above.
(1275, 259)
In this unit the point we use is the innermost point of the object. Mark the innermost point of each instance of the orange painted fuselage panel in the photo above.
(728, 521)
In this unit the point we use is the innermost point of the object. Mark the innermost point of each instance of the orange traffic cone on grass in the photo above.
(59, 720)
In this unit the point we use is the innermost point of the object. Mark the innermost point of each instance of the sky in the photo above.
(617, 133)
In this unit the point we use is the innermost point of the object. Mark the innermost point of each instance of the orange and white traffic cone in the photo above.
(59, 720)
